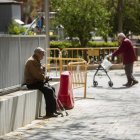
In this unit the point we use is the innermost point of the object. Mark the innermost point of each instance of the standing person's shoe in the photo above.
(128, 84)
(125, 84)
(134, 82)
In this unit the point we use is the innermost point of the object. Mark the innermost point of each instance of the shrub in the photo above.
(53, 37)
(15, 28)
(102, 44)
(61, 45)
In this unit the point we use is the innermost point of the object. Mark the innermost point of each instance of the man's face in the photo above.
(40, 55)
(120, 40)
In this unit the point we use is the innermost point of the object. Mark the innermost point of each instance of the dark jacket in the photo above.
(127, 51)
(34, 71)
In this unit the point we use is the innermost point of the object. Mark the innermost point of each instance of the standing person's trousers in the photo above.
(129, 71)
(49, 95)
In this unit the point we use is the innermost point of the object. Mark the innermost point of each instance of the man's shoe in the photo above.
(58, 113)
(128, 84)
(134, 82)
(50, 115)
(125, 84)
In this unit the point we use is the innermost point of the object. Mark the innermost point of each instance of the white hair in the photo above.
(122, 35)
(38, 49)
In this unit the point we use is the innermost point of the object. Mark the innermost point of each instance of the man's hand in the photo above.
(43, 69)
(47, 79)
(109, 55)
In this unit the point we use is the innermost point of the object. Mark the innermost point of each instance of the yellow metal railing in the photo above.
(94, 55)
(73, 59)
(79, 74)
(58, 64)
(53, 52)
(77, 67)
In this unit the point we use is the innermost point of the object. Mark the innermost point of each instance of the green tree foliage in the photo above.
(125, 15)
(80, 17)
(131, 20)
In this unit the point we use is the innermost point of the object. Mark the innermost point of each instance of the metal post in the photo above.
(47, 28)
(47, 22)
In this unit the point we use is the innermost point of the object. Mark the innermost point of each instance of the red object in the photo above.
(65, 94)
(127, 51)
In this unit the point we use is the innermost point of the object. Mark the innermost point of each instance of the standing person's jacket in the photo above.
(127, 51)
(34, 71)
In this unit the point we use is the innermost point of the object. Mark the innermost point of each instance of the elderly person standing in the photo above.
(35, 77)
(128, 55)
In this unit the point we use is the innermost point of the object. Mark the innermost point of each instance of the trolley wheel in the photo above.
(110, 83)
(95, 83)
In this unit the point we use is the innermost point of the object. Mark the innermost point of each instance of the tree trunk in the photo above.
(83, 43)
(120, 9)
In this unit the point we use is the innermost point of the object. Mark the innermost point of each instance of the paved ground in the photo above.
(106, 114)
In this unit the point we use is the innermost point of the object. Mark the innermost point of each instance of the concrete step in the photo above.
(20, 108)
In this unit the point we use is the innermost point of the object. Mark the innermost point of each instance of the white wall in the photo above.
(14, 51)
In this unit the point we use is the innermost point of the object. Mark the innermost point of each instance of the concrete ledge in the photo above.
(20, 108)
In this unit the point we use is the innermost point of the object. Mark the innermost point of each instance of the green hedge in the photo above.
(61, 45)
(102, 44)
(53, 37)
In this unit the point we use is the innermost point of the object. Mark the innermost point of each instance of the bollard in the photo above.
(65, 94)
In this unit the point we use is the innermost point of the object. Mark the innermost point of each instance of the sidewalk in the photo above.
(106, 114)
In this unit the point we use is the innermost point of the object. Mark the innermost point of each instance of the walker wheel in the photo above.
(95, 83)
(110, 83)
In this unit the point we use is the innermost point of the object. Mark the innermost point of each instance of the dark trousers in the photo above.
(129, 71)
(49, 95)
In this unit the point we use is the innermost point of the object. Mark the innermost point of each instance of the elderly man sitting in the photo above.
(35, 77)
